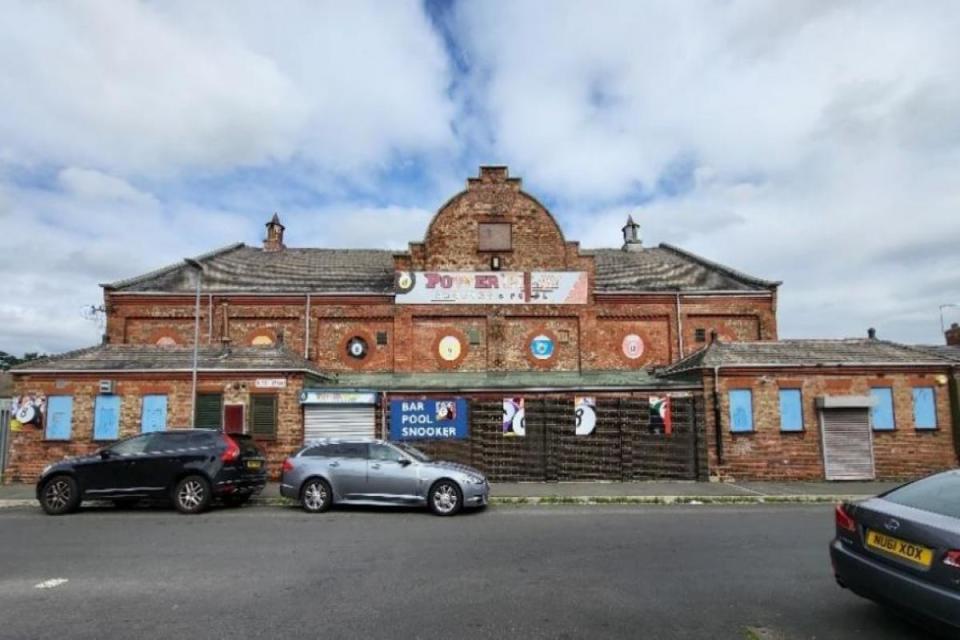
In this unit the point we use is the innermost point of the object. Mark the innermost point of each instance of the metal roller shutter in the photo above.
(333, 421)
(847, 444)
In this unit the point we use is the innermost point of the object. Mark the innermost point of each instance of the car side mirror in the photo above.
(404, 462)
(104, 454)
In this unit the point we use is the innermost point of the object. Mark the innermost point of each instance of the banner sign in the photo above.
(27, 409)
(444, 419)
(514, 418)
(585, 410)
(660, 419)
(491, 287)
(321, 396)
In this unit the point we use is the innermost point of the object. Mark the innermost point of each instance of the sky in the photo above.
(812, 142)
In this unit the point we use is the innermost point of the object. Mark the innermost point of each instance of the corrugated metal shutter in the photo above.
(263, 416)
(338, 421)
(847, 444)
(209, 411)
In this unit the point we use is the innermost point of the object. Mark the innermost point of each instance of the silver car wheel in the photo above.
(58, 494)
(445, 498)
(191, 494)
(315, 496)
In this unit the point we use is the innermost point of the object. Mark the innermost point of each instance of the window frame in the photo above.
(731, 393)
(799, 393)
(143, 409)
(933, 408)
(251, 420)
(875, 392)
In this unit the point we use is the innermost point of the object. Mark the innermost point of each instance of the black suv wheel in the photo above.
(192, 494)
(60, 494)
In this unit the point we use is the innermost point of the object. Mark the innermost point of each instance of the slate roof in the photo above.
(129, 357)
(844, 352)
(238, 268)
(504, 380)
(667, 268)
(940, 350)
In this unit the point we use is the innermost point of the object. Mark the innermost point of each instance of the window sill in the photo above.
(743, 433)
(792, 431)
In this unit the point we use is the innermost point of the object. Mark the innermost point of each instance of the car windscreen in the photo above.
(937, 494)
(413, 452)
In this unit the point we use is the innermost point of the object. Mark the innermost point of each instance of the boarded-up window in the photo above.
(106, 418)
(154, 415)
(881, 414)
(209, 414)
(924, 408)
(741, 410)
(263, 416)
(59, 417)
(791, 410)
(494, 236)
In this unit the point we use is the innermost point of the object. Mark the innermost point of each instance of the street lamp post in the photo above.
(198, 268)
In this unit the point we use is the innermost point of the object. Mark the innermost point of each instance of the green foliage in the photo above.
(8, 360)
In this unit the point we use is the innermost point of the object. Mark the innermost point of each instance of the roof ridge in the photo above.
(170, 267)
(56, 356)
(710, 264)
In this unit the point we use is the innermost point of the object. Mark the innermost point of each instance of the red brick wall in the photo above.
(770, 454)
(29, 452)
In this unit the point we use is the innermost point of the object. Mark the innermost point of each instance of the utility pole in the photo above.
(198, 270)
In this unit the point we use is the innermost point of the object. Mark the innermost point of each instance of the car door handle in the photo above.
(375, 465)
(334, 464)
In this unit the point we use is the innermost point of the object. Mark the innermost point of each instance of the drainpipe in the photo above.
(196, 341)
(717, 415)
(679, 326)
(306, 336)
(210, 318)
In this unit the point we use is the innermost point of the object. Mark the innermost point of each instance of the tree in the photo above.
(8, 360)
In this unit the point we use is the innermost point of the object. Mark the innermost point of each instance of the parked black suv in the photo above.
(188, 466)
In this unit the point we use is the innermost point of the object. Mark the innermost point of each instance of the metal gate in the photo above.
(847, 444)
(338, 421)
(4, 433)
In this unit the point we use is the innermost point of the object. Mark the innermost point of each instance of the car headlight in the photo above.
(476, 479)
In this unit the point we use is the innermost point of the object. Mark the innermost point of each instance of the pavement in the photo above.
(676, 572)
(652, 492)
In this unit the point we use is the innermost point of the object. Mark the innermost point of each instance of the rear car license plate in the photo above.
(902, 549)
(254, 464)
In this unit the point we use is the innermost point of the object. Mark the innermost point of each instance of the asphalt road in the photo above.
(754, 571)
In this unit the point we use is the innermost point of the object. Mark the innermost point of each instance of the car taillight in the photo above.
(232, 452)
(952, 559)
(287, 465)
(844, 521)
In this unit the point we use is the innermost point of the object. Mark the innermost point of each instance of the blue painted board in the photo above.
(924, 408)
(106, 418)
(881, 414)
(791, 410)
(154, 417)
(741, 410)
(59, 417)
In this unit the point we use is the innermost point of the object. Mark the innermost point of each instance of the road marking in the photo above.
(50, 584)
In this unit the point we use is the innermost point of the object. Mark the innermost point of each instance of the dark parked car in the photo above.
(374, 472)
(902, 548)
(191, 467)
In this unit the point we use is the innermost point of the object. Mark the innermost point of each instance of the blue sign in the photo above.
(442, 419)
(541, 347)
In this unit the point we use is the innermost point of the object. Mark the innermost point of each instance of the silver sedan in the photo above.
(374, 472)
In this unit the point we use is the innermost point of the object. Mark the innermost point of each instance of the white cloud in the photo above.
(824, 136)
(133, 87)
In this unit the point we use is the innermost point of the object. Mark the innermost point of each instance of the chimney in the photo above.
(872, 333)
(631, 236)
(953, 335)
(274, 239)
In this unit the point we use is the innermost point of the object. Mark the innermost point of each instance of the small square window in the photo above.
(494, 236)
(381, 338)
(700, 335)
(563, 336)
(473, 336)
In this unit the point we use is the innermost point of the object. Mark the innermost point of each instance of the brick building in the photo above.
(494, 341)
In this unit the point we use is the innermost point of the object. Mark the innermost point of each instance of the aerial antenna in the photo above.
(94, 313)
